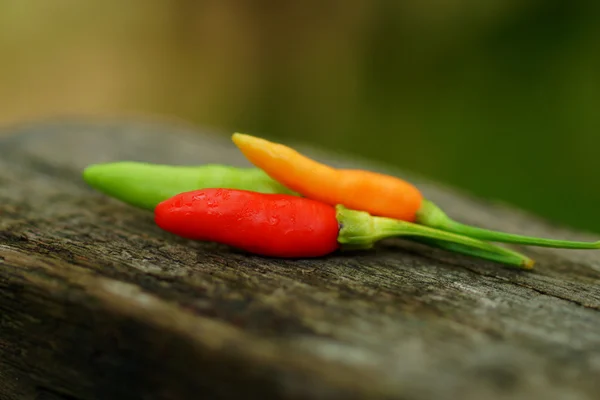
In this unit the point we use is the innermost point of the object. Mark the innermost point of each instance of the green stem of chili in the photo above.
(499, 255)
(432, 216)
(362, 230)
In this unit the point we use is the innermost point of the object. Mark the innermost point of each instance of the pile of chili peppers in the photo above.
(291, 206)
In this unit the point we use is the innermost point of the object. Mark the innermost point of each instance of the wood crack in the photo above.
(531, 287)
(48, 393)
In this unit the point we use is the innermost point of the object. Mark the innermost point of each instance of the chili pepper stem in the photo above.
(359, 229)
(431, 215)
(497, 256)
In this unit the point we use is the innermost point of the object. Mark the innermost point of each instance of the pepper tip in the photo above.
(237, 137)
(528, 264)
(89, 173)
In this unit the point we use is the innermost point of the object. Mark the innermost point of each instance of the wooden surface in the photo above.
(97, 303)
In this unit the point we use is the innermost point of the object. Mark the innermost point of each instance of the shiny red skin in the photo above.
(275, 225)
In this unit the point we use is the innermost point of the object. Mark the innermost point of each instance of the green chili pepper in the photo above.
(145, 185)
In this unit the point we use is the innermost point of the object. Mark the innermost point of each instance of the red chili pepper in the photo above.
(281, 225)
(275, 225)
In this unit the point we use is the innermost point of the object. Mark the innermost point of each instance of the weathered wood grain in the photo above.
(97, 303)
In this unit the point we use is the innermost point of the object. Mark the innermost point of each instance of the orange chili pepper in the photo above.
(378, 194)
(375, 193)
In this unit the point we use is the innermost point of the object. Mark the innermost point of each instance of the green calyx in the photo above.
(432, 216)
(360, 230)
(145, 185)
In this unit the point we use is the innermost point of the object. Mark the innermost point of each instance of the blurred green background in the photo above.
(498, 97)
